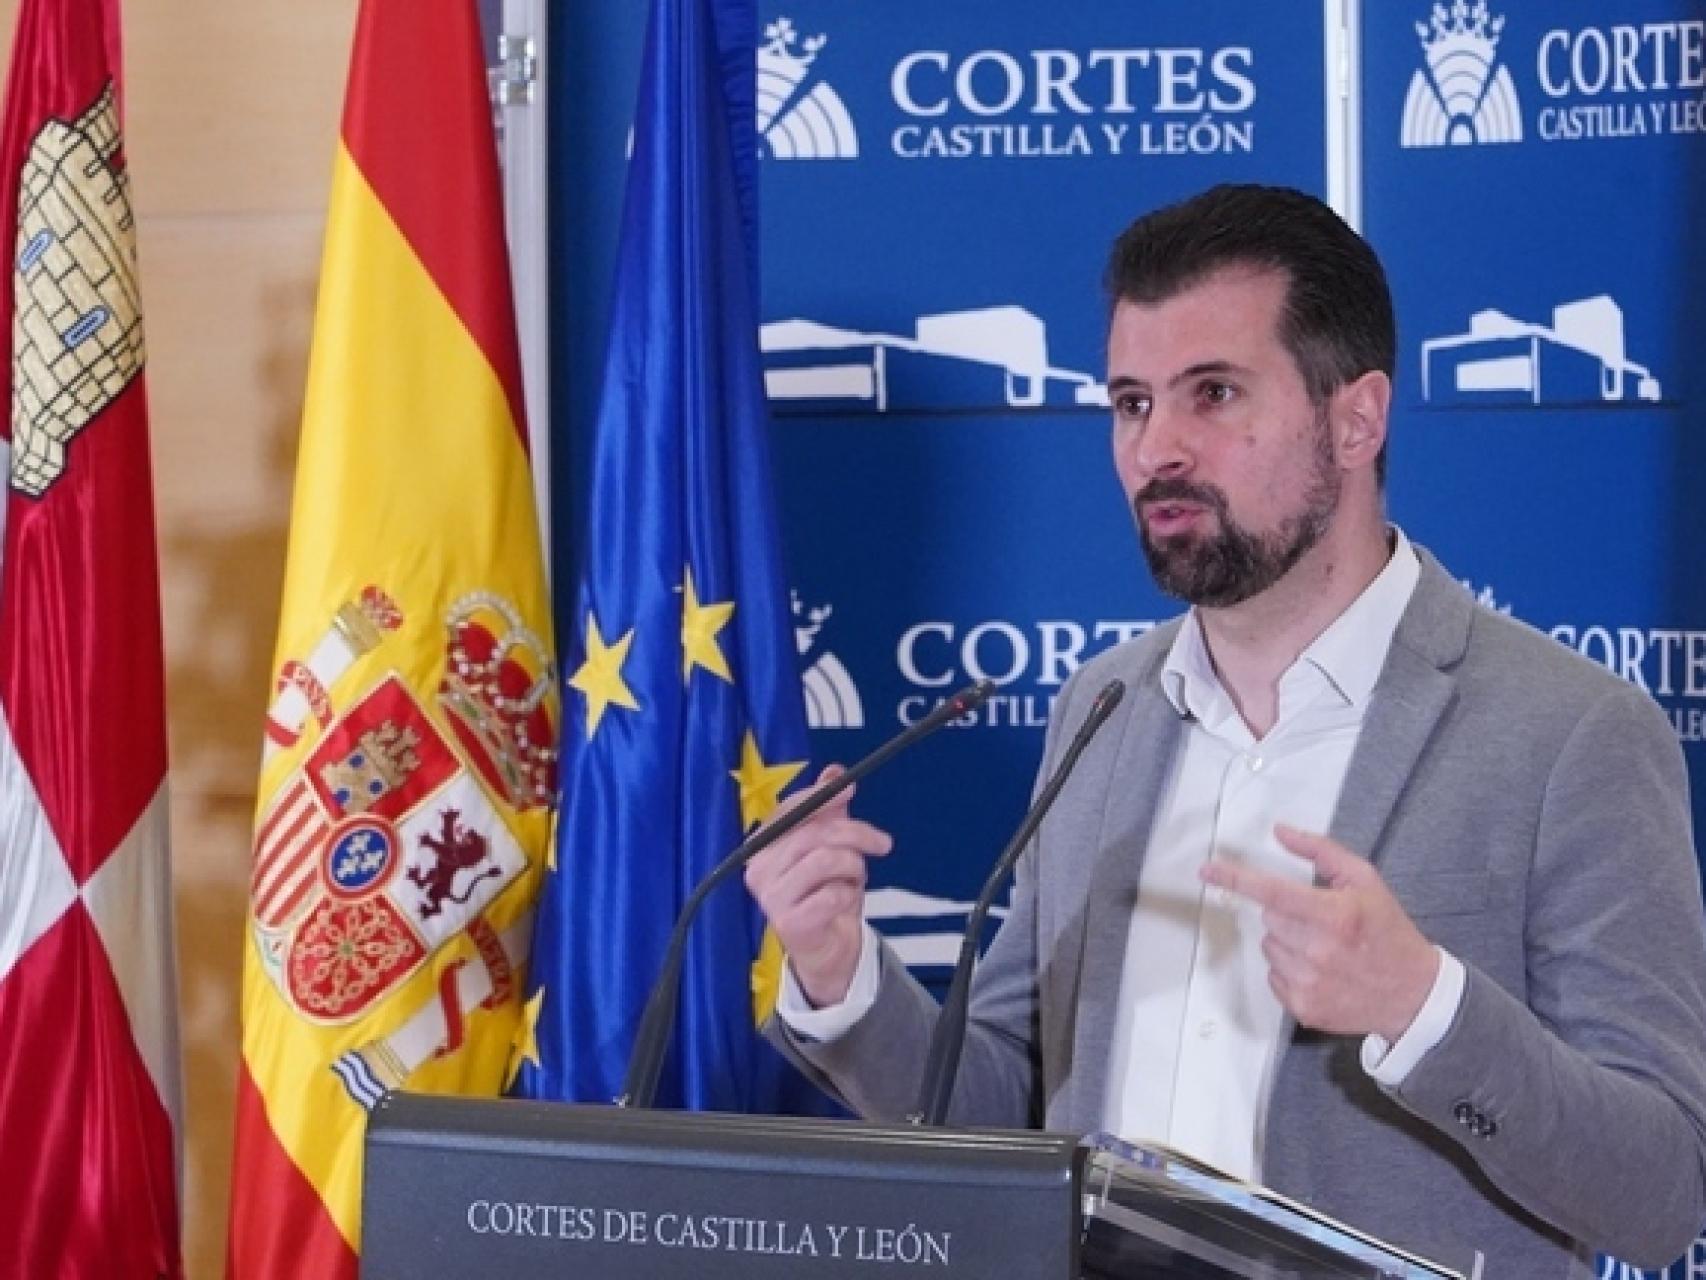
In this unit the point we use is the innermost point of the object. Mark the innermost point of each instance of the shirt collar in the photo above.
(1349, 653)
(1352, 650)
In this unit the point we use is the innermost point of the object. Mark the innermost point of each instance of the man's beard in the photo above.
(1233, 564)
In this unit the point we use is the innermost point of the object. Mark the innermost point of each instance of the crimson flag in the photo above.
(89, 1080)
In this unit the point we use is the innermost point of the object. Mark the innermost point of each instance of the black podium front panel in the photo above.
(459, 1187)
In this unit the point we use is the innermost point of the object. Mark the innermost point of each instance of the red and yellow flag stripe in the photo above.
(414, 567)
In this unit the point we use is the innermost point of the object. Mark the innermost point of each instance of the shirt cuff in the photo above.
(1390, 1064)
(835, 1020)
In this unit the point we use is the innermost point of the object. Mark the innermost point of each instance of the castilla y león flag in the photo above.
(89, 1075)
(410, 740)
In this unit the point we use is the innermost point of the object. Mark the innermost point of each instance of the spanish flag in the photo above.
(410, 744)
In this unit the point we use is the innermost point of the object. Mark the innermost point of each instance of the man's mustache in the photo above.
(1178, 490)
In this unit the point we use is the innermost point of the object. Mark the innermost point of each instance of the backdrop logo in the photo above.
(1460, 95)
(832, 700)
(1667, 663)
(1066, 103)
(1627, 80)
(1027, 663)
(1487, 598)
(800, 117)
(1578, 359)
(985, 358)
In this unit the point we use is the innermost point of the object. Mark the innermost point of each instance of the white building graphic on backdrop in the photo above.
(925, 932)
(800, 117)
(1578, 358)
(987, 357)
(1460, 95)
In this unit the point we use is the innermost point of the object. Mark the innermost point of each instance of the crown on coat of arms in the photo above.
(1461, 28)
(780, 39)
(497, 690)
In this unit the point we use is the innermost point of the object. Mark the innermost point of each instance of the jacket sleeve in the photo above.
(876, 1067)
(1587, 1103)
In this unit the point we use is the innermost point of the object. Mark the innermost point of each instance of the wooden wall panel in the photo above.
(234, 107)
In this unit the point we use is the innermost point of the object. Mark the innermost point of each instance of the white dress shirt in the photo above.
(1199, 1026)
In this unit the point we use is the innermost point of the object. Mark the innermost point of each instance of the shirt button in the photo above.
(1254, 763)
(1207, 1029)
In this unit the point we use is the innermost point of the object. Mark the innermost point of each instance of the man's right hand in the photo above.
(811, 887)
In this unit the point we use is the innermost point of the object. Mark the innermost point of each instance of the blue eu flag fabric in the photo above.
(682, 712)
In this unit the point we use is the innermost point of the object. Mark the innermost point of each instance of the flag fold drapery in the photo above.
(683, 716)
(90, 1083)
(404, 807)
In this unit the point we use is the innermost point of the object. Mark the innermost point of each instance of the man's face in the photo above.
(1229, 468)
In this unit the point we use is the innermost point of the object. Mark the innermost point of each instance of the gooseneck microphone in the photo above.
(943, 1063)
(645, 1064)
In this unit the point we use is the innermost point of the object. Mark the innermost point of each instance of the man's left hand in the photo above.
(1343, 956)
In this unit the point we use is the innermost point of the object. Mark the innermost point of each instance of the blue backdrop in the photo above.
(942, 186)
(1547, 440)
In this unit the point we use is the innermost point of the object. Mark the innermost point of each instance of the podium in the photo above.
(464, 1187)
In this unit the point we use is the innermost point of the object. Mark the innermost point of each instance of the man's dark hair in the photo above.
(1337, 319)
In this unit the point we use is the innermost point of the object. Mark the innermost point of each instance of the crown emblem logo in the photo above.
(1460, 29)
(1461, 95)
(832, 699)
(800, 117)
(807, 623)
(1486, 598)
(779, 41)
(499, 691)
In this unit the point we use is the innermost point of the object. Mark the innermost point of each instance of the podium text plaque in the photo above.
(461, 1187)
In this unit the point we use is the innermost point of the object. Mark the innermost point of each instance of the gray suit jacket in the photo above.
(1530, 811)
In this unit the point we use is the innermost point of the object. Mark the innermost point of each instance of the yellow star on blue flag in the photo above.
(761, 785)
(526, 1046)
(599, 677)
(700, 625)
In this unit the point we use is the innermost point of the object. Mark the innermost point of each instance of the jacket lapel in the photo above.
(1415, 688)
(1151, 737)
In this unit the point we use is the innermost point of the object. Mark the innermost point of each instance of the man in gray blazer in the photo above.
(1364, 892)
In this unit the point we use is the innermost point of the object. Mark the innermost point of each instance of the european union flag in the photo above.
(683, 720)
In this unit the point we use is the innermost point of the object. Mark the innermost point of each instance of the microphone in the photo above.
(943, 1062)
(651, 1041)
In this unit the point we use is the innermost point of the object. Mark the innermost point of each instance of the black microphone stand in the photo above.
(943, 1063)
(645, 1065)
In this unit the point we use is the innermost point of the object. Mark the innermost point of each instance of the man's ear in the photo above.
(1359, 414)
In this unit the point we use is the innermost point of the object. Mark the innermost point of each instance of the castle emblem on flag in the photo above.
(78, 327)
(381, 848)
(383, 758)
(1461, 94)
